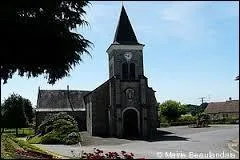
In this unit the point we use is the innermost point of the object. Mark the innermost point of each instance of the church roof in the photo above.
(59, 100)
(124, 32)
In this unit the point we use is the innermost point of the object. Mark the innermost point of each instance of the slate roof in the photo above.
(237, 78)
(58, 100)
(223, 107)
(124, 33)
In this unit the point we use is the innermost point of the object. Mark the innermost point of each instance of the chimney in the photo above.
(68, 88)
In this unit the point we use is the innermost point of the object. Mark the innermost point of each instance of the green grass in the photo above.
(26, 146)
(35, 140)
(9, 147)
(22, 132)
(10, 143)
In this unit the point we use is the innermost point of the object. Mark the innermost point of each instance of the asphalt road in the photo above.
(174, 142)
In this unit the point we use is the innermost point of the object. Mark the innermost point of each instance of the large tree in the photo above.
(37, 37)
(28, 109)
(13, 115)
(172, 110)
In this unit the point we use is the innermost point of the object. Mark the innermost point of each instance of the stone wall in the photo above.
(223, 115)
(98, 120)
(152, 112)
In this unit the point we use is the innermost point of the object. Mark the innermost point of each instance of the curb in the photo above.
(230, 147)
(56, 155)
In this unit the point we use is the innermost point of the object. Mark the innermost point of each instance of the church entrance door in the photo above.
(130, 123)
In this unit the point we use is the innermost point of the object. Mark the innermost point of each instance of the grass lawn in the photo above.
(22, 132)
(13, 148)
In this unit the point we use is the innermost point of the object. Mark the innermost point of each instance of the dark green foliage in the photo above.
(52, 138)
(172, 110)
(187, 118)
(28, 109)
(195, 109)
(13, 112)
(37, 37)
(203, 119)
(164, 124)
(58, 129)
(182, 123)
(202, 107)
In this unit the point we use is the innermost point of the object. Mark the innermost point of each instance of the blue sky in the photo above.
(191, 50)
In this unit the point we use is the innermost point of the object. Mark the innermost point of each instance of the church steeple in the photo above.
(124, 32)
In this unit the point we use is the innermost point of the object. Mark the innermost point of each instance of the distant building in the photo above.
(219, 110)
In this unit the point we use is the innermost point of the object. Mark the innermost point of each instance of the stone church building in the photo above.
(122, 106)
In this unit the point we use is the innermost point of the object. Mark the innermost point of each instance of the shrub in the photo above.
(55, 129)
(163, 119)
(229, 120)
(182, 123)
(187, 118)
(164, 124)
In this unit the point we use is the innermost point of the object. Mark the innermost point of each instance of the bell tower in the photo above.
(125, 53)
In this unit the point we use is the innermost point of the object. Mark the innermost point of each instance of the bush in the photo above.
(182, 123)
(164, 124)
(229, 120)
(55, 129)
(163, 119)
(187, 118)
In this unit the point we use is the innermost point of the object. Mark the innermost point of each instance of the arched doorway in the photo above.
(130, 123)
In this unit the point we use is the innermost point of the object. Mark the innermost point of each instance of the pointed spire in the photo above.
(124, 32)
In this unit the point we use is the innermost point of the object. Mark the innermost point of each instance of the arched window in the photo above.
(125, 70)
(132, 71)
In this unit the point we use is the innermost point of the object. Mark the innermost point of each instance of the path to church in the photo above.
(183, 140)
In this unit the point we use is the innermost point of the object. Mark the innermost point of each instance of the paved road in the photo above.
(178, 142)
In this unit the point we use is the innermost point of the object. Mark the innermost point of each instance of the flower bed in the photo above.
(22, 154)
(99, 154)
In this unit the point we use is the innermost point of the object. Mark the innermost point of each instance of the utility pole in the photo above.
(202, 99)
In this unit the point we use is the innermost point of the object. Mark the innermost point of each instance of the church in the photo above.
(123, 106)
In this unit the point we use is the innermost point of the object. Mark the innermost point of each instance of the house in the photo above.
(124, 105)
(219, 110)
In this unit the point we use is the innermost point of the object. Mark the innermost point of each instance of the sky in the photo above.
(191, 50)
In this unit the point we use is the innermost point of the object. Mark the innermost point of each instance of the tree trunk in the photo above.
(16, 131)
(2, 130)
(1, 104)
